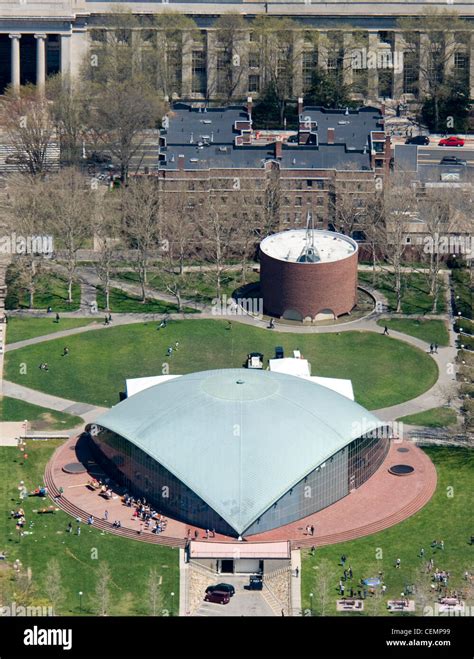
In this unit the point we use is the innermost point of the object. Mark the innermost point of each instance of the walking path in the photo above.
(434, 397)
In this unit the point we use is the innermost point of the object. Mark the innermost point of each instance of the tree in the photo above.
(155, 597)
(324, 587)
(165, 52)
(70, 205)
(107, 237)
(432, 40)
(279, 55)
(29, 129)
(123, 103)
(53, 584)
(102, 590)
(328, 90)
(399, 208)
(229, 31)
(141, 205)
(28, 219)
(68, 112)
(374, 231)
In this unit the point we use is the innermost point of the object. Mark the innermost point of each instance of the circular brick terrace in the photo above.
(381, 502)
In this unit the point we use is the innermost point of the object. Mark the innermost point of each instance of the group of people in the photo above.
(310, 529)
(108, 319)
(19, 516)
(146, 514)
(433, 348)
(171, 348)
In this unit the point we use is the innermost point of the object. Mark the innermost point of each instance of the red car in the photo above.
(218, 597)
(452, 140)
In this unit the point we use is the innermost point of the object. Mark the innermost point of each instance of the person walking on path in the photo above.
(106, 515)
(297, 572)
(436, 348)
(57, 318)
(431, 348)
(385, 331)
(312, 529)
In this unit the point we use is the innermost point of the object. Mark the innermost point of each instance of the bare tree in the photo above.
(71, 204)
(25, 193)
(102, 589)
(432, 41)
(107, 241)
(399, 209)
(68, 111)
(155, 596)
(324, 587)
(29, 129)
(230, 47)
(53, 584)
(141, 223)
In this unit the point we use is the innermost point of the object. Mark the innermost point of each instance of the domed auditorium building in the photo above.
(239, 451)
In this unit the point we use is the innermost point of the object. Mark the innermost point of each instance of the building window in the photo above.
(410, 73)
(99, 36)
(320, 201)
(199, 73)
(254, 60)
(461, 61)
(320, 184)
(309, 65)
(298, 218)
(299, 184)
(309, 183)
(223, 73)
(254, 83)
(298, 201)
(379, 163)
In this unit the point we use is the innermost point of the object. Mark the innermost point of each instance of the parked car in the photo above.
(421, 140)
(255, 582)
(255, 360)
(279, 352)
(452, 140)
(223, 587)
(217, 597)
(100, 158)
(453, 160)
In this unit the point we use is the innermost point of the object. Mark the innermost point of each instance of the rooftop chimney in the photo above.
(181, 161)
(331, 132)
(382, 109)
(278, 148)
(300, 105)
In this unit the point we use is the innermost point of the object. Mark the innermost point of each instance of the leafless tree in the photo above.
(230, 50)
(71, 204)
(102, 589)
(324, 587)
(29, 129)
(107, 242)
(155, 597)
(68, 110)
(142, 226)
(53, 584)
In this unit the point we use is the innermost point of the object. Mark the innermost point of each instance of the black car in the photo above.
(279, 352)
(256, 582)
(421, 140)
(452, 160)
(100, 158)
(223, 588)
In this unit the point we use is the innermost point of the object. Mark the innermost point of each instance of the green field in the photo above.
(446, 517)
(199, 286)
(384, 371)
(122, 302)
(51, 290)
(431, 331)
(39, 418)
(438, 417)
(129, 561)
(21, 328)
(415, 292)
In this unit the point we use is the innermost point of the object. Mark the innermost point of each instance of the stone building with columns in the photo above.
(40, 38)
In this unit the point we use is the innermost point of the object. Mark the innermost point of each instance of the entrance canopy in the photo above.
(236, 550)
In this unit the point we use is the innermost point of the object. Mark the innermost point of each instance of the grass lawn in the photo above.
(39, 418)
(384, 371)
(129, 561)
(438, 417)
(122, 302)
(415, 295)
(51, 290)
(19, 329)
(445, 518)
(198, 286)
(431, 331)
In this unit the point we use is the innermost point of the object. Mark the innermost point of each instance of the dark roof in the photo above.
(206, 139)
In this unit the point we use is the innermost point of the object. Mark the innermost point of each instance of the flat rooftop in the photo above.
(291, 245)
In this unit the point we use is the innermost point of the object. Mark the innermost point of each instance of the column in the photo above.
(187, 65)
(323, 50)
(297, 73)
(424, 63)
(66, 55)
(211, 64)
(398, 55)
(373, 74)
(40, 60)
(449, 40)
(15, 58)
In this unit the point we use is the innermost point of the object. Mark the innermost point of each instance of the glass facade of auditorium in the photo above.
(332, 480)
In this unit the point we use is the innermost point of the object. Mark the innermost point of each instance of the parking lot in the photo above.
(243, 603)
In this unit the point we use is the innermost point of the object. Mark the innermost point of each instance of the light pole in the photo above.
(311, 603)
(172, 603)
(80, 593)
